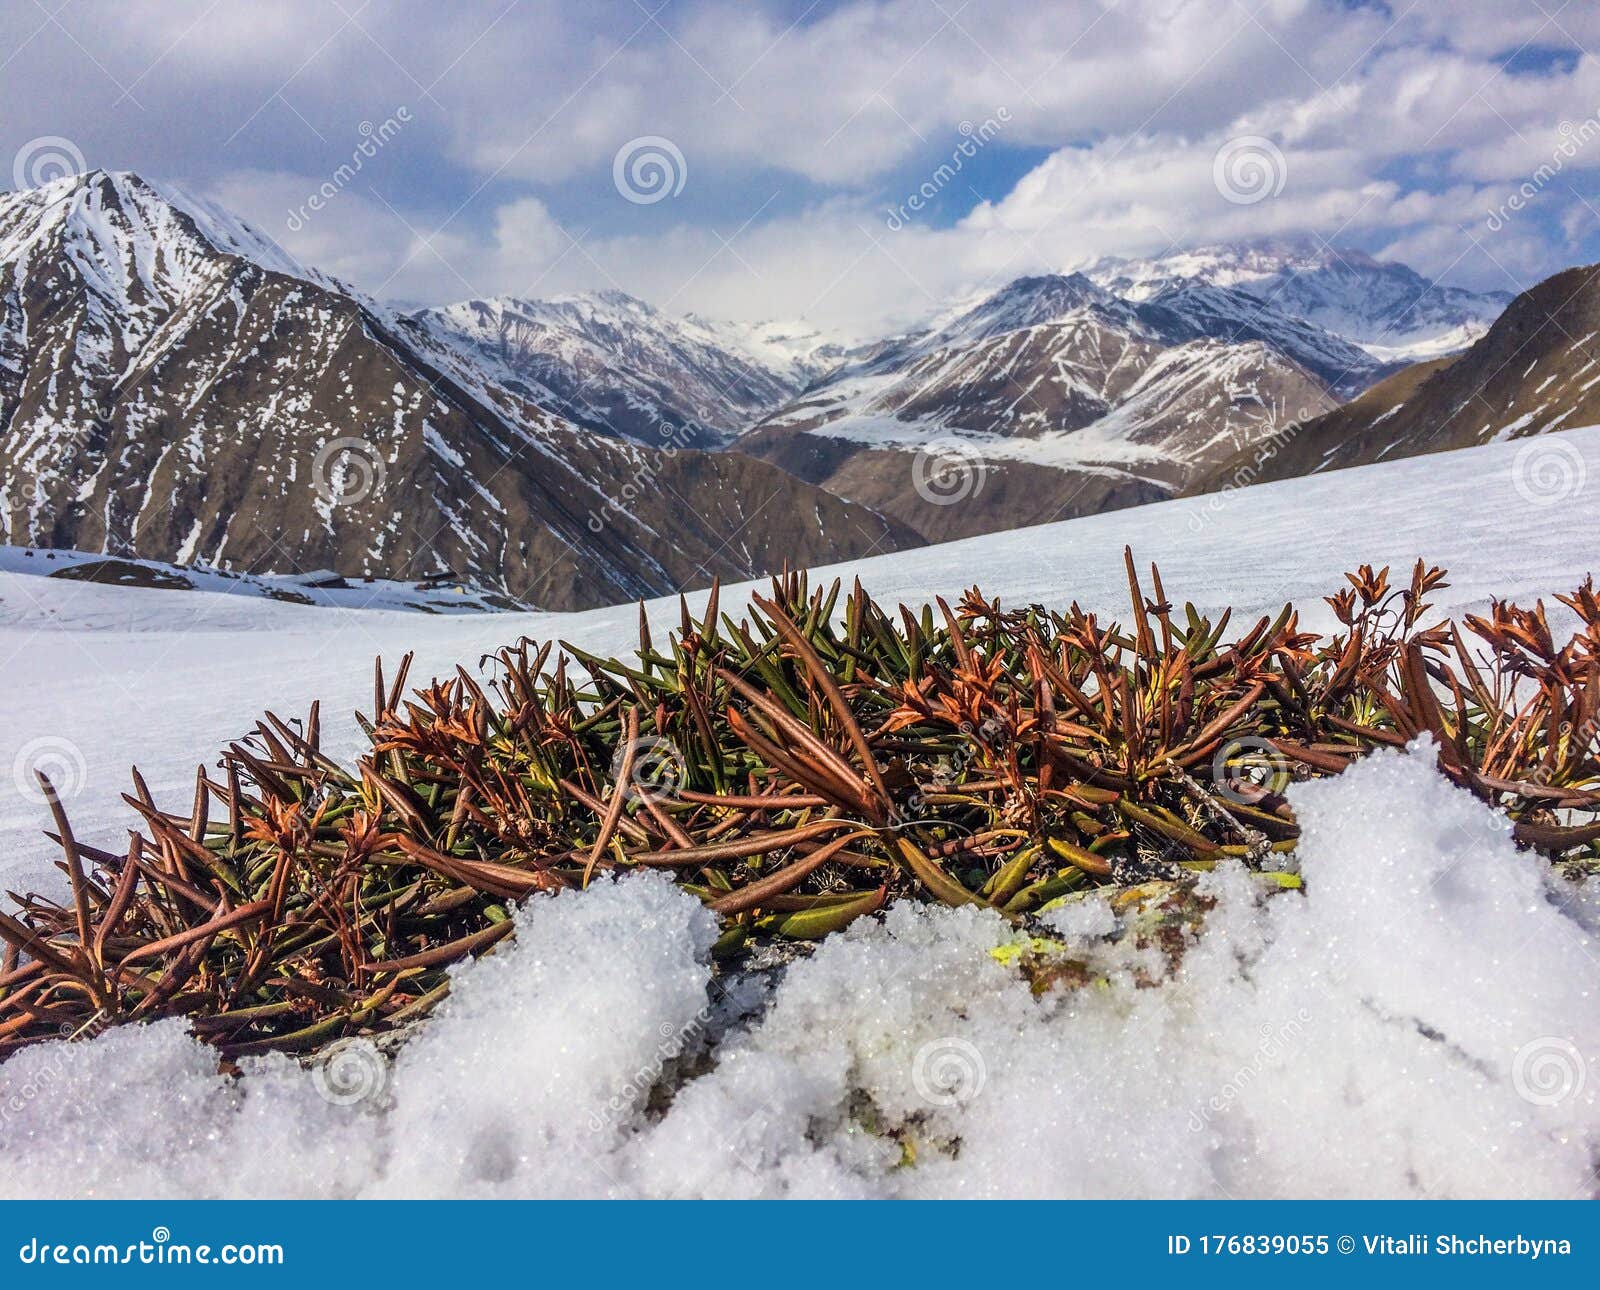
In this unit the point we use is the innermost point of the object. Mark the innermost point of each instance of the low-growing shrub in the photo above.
(795, 770)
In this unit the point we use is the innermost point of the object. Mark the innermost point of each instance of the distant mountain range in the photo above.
(1048, 399)
(1068, 394)
(1389, 310)
(174, 387)
(614, 364)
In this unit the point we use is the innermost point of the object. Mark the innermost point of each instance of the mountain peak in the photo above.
(619, 299)
(1223, 264)
(1070, 289)
(164, 396)
(617, 364)
(607, 301)
(1389, 309)
(1023, 302)
(119, 217)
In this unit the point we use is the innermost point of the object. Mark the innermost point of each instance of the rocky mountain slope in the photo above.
(1050, 398)
(615, 364)
(1201, 310)
(1071, 393)
(1253, 337)
(173, 386)
(1536, 370)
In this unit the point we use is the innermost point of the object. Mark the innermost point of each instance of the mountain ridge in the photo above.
(1065, 397)
(1534, 372)
(165, 394)
(170, 380)
(1396, 314)
(613, 363)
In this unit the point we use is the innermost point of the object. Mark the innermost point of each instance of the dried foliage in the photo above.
(795, 771)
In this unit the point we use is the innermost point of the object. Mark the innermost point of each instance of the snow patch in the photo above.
(1419, 1023)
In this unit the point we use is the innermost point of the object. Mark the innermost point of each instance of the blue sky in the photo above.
(792, 130)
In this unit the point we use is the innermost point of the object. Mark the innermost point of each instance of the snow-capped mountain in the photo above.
(615, 364)
(1076, 392)
(1389, 310)
(1055, 397)
(173, 386)
(1022, 303)
(792, 348)
(1536, 370)
(1200, 310)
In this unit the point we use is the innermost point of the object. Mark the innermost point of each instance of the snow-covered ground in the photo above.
(1422, 1022)
(322, 587)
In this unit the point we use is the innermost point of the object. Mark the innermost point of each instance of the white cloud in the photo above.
(1398, 127)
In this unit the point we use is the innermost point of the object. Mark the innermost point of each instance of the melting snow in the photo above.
(1419, 1023)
